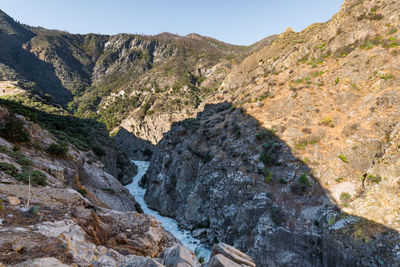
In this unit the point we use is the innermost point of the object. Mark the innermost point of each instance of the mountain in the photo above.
(120, 78)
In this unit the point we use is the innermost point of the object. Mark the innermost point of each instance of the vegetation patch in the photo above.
(374, 179)
(109, 190)
(343, 158)
(13, 130)
(24, 161)
(191, 123)
(8, 168)
(36, 177)
(58, 149)
(344, 198)
(327, 122)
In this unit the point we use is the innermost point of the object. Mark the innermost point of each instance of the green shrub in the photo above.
(268, 175)
(24, 161)
(110, 190)
(374, 179)
(191, 123)
(304, 182)
(16, 154)
(99, 151)
(276, 215)
(343, 158)
(386, 77)
(8, 168)
(14, 130)
(264, 133)
(3, 149)
(201, 259)
(345, 197)
(327, 122)
(58, 149)
(82, 191)
(37, 177)
(266, 158)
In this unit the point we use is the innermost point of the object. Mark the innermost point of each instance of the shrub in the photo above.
(3, 149)
(82, 191)
(24, 161)
(205, 156)
(386, 77)
(58, 149)
(16, 154)
(327, 122)
(345, 197)
(268, 175)
(8, 168)
(110, 190)
(201, 259)
(191, 123)
(374, 179)
(216, 241)
(98, 150)
(13, 130)
(37, 177)
(304, 182)
(147, 152)
(261, 135)
(343, 158)
(275, 215)
(266, 158)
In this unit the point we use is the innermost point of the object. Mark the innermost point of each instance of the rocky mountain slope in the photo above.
(72, 210)
(141, 83)
(309, 158)
(57, 208)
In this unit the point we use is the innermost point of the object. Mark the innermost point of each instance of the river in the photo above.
(168, 223)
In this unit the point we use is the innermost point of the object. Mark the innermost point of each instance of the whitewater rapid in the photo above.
(168, 223)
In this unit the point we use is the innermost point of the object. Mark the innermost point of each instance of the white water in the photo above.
(168, 223)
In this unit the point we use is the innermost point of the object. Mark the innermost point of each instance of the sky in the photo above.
(241, 22)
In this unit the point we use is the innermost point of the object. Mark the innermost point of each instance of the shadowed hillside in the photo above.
(228, 179)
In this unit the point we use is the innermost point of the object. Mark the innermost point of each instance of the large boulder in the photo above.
(232, 254)
(222, 261)
(179, 256)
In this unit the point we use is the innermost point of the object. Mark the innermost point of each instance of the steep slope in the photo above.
(142, 83)
(57, 207)
(330, 94)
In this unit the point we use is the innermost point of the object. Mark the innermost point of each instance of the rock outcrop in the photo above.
(73, 212)
(242, 185)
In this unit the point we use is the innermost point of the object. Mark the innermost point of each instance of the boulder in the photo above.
(179, 256)
(14, 201)
(222, 261)
(139, 261)
(232, 254)
(42, 262)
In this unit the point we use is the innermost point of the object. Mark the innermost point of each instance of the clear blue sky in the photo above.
(234, 21)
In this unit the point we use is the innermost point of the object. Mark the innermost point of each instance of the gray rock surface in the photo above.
(179, 256)
(222, 261)
(209, 173)
(232, 254)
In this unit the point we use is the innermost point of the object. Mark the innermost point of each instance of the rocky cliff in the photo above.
(305, 171)
(54, 202)
(227, 178)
